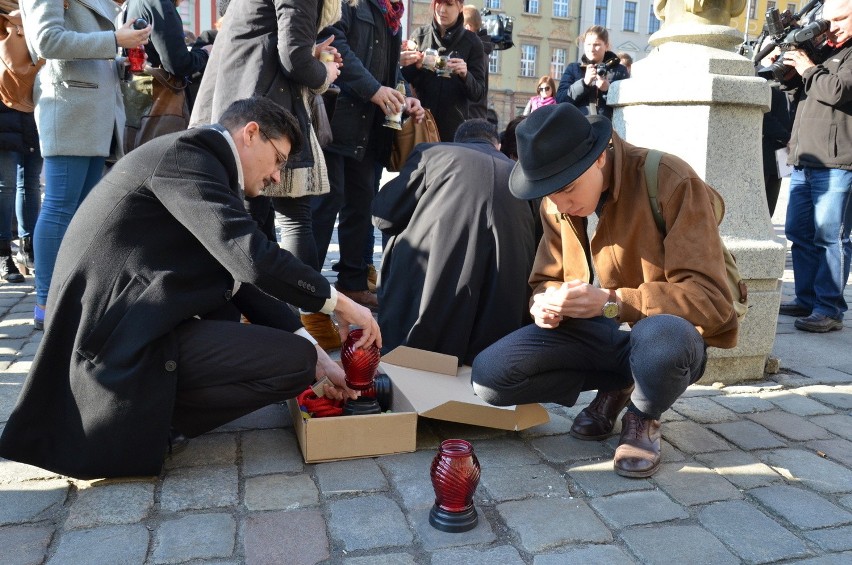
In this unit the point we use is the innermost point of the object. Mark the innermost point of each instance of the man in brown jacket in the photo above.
(669, 288)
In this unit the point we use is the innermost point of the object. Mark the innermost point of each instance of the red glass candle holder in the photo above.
(455, 476)
(136, 59)
(360, 363)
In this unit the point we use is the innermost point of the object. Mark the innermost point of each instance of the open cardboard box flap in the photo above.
(437, 388)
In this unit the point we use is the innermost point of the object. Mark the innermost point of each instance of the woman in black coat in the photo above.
(450, 99)
(582, 84)
(20, 189)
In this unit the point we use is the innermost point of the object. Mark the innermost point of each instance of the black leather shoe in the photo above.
(818, 323)
(794, 309)
(638, 451)
(597, 419)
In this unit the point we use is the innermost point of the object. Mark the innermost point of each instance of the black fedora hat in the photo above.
(556, 144)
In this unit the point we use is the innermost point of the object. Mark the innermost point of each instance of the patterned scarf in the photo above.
(392, 9)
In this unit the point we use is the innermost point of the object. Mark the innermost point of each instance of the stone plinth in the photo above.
(705, 105)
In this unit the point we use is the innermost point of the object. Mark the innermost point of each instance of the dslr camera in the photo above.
(785, 31)
(602, 68)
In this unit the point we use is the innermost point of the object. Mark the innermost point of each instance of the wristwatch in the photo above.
(611, 309)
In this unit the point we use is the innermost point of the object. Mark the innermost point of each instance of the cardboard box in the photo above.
(425, 383)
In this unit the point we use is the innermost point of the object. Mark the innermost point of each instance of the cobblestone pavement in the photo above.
(756, 473)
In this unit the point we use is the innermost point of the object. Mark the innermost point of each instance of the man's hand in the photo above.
(415, 109)
(573, 299)
(389, 100)
(350, 313)
(328, 368)
(799, 60)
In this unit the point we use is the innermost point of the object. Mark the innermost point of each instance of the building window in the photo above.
(792, 8)
(600, 12)
(528, 53)
(494, 4)
(494, 62)
(561, 8)
(770, 5)
(557, 63)
(653, 22)
(531, 6)
(629, 16)
(752, 10)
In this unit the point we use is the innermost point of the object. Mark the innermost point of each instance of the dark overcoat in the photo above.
(454, 273)
(449, 99)
(265, 48)
(572, 88)
(162, 238)
(370, 55)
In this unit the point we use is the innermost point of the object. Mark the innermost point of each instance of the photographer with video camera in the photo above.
(585, 84)
(819, 212)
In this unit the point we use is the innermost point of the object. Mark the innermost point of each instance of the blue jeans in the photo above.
(662, 354)
(20, 190)
(297, 234)
(67, 182)
(819, 216)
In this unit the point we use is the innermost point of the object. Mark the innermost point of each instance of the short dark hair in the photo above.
(476, 129)
(508, 140)
(274, 121)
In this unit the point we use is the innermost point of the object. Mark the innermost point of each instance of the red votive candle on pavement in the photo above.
(455, 476)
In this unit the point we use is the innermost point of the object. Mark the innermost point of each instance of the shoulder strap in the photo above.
(652, 163)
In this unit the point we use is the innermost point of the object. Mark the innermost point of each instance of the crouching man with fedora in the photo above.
(669, 288)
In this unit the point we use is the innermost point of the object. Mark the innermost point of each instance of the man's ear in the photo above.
(601, 160)
(249, 133)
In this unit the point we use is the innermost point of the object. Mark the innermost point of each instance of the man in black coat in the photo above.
(137, 344)
(368, 38)
(454, 273)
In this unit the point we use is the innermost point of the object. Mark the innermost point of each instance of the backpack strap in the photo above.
(652, 163)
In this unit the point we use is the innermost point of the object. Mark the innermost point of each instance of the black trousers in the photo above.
(229, 369)
(353, 187)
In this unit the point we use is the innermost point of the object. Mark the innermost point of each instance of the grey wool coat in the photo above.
(162, 238)
(264, 48)
(79, 108)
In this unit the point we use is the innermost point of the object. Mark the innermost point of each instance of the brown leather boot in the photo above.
(362, 297)
(372, 279)
(598, 418)
(638, 451)
(322, 328)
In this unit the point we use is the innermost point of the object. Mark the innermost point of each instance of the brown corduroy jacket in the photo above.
(681, 273)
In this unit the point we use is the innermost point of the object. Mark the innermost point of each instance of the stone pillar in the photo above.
(694, 97)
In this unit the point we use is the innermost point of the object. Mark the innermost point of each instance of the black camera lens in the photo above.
(773, 22)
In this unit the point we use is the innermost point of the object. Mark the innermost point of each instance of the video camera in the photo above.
(785, 31)
(499, 29)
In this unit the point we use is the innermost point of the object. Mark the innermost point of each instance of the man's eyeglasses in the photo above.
(280, 158)
(543, 88)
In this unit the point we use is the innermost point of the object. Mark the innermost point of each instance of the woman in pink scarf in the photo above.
(546, 92)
